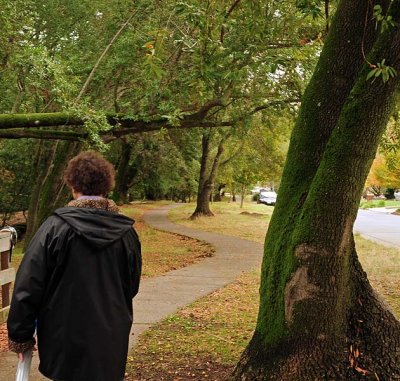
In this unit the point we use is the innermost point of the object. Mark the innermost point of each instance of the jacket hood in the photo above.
(99, 227)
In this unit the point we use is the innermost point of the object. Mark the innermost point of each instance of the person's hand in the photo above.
(21, 355)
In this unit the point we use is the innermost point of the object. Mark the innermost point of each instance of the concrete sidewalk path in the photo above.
(162, 296)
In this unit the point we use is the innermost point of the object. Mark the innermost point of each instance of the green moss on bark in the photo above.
(322, 104)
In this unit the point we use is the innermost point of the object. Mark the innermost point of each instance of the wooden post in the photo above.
(7, 274)
(5, 288)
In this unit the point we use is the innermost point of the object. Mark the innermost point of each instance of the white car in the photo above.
(267, 198)
(397, 195)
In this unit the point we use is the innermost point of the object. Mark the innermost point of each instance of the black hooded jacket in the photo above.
(76, 284)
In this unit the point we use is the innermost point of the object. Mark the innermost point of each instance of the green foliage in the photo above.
(372, 204)
(258, 152)
(383, 70)
(386, 21)
(95, 123)
(16, 176)
(168, 62)
(162, 167)
(390, 142)
(311, 8)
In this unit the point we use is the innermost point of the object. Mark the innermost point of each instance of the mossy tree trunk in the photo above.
(125, 174)
(50, 191)
(319, 318)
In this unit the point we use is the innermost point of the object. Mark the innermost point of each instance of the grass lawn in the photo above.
(380, 204)
(204, 340)
(162, 251)
(251, 222)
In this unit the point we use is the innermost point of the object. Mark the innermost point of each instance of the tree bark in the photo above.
(46, 125)
(124, 175)
(206, 183)
(50, 191)
(204, 189)
(233, 196)
(319, 318)
(242, 196)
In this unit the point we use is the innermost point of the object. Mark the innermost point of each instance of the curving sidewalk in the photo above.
(162, 296)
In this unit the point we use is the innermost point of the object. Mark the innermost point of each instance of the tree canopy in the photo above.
(166, 67)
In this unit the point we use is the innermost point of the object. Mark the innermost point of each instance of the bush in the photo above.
(389, 193)
(366, 205)
(372, 204)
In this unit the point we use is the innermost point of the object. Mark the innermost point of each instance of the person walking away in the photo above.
(77, 280)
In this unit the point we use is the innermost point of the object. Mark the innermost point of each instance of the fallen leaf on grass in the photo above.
(361, 370)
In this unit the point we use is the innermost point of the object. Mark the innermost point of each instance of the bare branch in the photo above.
(283, 45)
(233, 156)
(105, 51)
(230, 10)
(327, 15)
(202, 113)
(35, 133)
(274, 103)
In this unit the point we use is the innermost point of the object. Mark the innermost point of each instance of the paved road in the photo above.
(379, 227)
(162, 296)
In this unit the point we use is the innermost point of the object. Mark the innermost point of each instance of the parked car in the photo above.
(397, 195)
(267, 198)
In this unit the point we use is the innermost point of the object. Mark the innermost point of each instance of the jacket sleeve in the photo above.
(29, 287)
(133, 248)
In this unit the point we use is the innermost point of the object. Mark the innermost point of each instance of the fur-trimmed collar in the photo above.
(102, 203)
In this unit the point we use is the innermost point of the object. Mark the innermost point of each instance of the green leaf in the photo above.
(371, 74)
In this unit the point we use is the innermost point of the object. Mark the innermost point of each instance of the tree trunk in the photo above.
(204, 189)
(206, 184)
(50, 191)
(123, 178)
(242, 196)
(319, 317)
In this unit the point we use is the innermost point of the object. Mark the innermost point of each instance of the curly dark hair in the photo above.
(90, 174)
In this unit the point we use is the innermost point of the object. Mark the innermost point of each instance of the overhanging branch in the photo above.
(51, 134)
(52, 125)
(35, 133)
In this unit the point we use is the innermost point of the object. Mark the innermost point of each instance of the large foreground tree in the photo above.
(319, 318)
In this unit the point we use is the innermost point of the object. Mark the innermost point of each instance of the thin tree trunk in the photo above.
(122, 178)
(39, 175)
(327, 15)
(319, 318)
(102, 55)
(242, 196)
